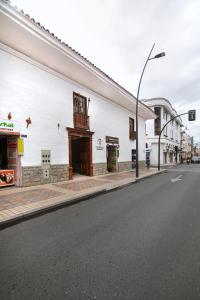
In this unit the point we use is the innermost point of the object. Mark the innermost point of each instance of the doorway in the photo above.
(80, 155)
(165, 158)
(171, 157)
(133, 158)
(3, 153)
(9, 161)
(111, 158)
(80, 152)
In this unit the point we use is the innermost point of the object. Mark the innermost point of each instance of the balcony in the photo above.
(81, 121)
(132, 135)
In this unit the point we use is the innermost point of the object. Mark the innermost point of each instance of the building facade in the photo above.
(186, 146)
(59, 115)
(171, 136)
(195, 149)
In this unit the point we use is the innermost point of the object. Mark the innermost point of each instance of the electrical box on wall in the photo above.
(45, 161)
(45, 172)
(46, 157)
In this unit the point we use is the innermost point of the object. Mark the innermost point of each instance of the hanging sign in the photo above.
(9, 127)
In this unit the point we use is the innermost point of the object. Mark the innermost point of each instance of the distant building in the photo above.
(171, 136)
(186, 146)
(196, 149)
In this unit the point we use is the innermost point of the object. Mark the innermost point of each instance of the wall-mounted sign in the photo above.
(112, 140)
(99, 144)
(6, 177)
(9, 127)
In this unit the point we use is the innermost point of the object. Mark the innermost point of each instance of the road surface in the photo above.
(140, 242)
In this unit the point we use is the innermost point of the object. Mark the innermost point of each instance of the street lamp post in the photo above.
(137, 102)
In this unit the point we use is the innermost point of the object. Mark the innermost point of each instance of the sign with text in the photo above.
(9, 127)
(112, 140)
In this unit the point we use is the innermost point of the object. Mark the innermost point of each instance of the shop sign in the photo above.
(112, 140)
(6, 177)
(9, 127)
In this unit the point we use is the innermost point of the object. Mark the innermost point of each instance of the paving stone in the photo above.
(82, 184)
(22, 198)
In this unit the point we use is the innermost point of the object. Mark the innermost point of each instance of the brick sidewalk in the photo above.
(17, 203)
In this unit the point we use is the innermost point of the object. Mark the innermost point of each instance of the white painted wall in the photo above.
(29, 91)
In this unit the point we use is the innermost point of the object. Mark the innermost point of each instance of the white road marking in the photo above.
(178, 178)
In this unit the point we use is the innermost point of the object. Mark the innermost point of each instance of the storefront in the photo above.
(10, 144)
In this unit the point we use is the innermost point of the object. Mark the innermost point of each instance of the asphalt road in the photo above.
(141, 242)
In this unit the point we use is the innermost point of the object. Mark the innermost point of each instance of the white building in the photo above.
(186, 146)
(171, 136)
(69, 116)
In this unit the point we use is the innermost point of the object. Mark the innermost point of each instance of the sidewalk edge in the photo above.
(41, 211)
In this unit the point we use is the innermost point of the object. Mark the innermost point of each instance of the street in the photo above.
(141, 242)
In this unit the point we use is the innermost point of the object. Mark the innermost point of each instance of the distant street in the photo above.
(141, 242)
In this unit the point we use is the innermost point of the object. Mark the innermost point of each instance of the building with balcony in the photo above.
(171, 136)
(60, 115)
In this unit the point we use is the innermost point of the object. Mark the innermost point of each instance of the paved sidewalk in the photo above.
(18, 203)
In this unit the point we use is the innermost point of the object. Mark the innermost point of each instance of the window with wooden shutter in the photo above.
(81, 119)
(132, 133)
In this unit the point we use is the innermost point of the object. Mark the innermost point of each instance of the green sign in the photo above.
(5, 124)
(192, 115)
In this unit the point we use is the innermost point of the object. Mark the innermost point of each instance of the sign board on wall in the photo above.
(99, 144)
(6, 177)
(112, 140)
(9, 127)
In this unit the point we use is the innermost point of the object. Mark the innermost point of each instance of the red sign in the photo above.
(6, 177)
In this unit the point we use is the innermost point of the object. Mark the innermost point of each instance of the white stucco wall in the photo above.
(29, 91)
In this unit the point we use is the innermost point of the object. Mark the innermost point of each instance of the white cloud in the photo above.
(117, 35)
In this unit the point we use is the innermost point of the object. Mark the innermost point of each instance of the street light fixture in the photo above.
(137, 101)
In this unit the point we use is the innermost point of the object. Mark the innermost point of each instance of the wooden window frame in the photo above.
(75, 96)
(132, 132)
(81, 118)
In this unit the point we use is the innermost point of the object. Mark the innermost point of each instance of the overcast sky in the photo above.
(117, 35)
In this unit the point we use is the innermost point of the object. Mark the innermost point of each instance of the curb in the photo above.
(56, 206)
(150, 175)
